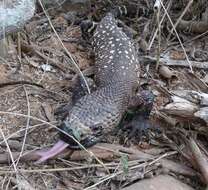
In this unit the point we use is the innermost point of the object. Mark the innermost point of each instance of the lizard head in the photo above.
(72, 135)
(75, 133)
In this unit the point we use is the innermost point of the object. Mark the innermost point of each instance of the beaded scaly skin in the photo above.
(116, 75)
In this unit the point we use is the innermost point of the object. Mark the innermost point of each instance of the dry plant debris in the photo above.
(37, 77)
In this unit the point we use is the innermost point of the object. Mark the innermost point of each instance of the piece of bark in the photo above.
(180, 107)
(196, 82)
(202, 114)
(178, 168)
(199, 98)
(68, 154)
(197, 27)
(135, 154)
(161, 182)
(168, 119)
(200, 159)
(166, 72)
(188, 104)
(178, 63)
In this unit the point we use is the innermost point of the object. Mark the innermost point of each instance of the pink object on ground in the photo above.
(55, 150)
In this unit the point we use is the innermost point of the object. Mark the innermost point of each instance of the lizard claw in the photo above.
(137, 130)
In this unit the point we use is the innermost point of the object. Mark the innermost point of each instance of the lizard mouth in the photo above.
(87, 142)
(61, 145)
(68, 140)
(76, 140)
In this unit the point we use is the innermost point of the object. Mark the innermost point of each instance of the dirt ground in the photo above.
(176, 145)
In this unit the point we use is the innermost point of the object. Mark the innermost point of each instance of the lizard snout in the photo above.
(84, 138)
(97, 130)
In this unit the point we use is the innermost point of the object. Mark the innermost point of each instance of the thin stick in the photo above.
(62, 169)
(179, 19)
(196, 37)
(51, 169)
(156, 31)
(19, 46)
(27, 125)
(200, 159)
(159, 39)
(107, 178)
(9, 150)
(131, 168)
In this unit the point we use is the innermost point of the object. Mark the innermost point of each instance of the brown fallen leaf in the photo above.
(166, 72)
(177, 55)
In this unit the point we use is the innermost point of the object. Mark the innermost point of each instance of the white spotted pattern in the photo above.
(116, 54)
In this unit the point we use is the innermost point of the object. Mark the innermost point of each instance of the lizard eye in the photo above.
(97, 129)
(82, 136)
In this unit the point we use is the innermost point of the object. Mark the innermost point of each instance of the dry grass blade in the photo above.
(9, 150)
(200, 159)
(181, 16)
(51, 51)
(156, 31)
(27, 125)
(87, 166)
(159, 39)
(143, 165)
(190, 65)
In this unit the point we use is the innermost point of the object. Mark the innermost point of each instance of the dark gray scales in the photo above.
(116, 77)
(116, 70)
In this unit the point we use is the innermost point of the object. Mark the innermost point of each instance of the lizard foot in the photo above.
(136, 130)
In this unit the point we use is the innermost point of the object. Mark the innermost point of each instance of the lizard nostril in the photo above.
(97, 129)
(82, 136)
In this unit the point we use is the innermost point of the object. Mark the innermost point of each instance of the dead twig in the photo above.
(200, 159)
(179, 19)
(37, 50)
(19, 83)
(156, 31)
(197, 27)
(179, 39)
(178, 63)
(27, 126)
(9, 150)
